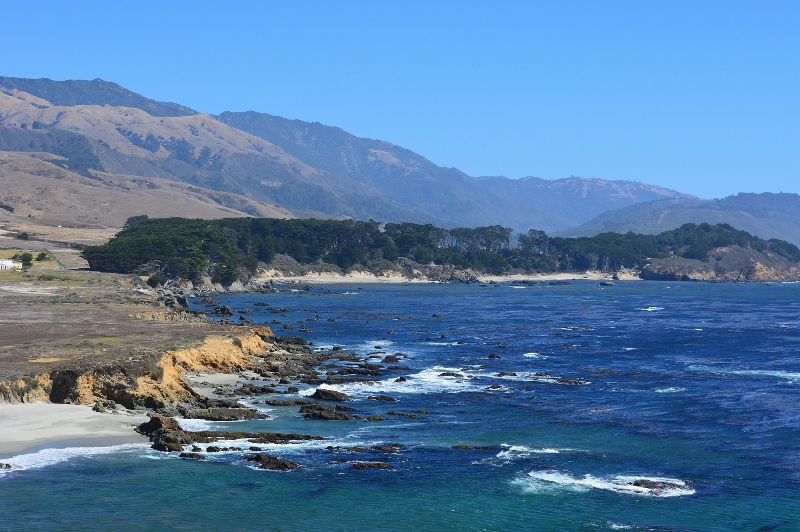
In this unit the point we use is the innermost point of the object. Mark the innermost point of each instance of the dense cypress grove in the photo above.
(229, 249)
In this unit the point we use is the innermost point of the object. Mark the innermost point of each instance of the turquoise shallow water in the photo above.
(694, 384)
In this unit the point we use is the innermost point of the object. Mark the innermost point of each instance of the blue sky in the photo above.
(702, 97)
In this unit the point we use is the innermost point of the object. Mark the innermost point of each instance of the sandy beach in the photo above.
(368, 278)
(35, 425)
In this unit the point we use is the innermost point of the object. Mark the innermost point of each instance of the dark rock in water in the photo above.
(291, 402)
(390, 359)
(402, 414)
(196, 449)
(223, 310)
(493, 355)
(167, 446)
(246, 311)
(400, 379)
(658, 486)
(382, 398)
(471, 448)
(323, 394)
(323, 411)
(542, 374)
(209, 302)
(390, 448)
(559, 283)
(104, 406)
(337, 449)
(506, 374)
(213, 449)
(451, 374)
(158, 422)
(272, 463)
(260, 304)
(376, 417)
(5, 466)
(371, 465)
(192, 456)
(571, 382)
(399, 368)
(248, 389)
(607, 283)
(223, 414)
(292, 389)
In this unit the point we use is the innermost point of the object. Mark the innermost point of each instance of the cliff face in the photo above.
(732, 263)
(134, 386)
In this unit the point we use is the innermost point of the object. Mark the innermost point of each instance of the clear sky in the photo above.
(699, 96)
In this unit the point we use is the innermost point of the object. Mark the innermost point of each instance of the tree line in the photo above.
(229, 249)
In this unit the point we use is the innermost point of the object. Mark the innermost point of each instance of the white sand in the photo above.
(366, 278)
(27, 425)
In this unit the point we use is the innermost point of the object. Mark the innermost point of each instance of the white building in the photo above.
(8, 264)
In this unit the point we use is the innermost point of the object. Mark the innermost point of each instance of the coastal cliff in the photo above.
(724, 264)
(138, 384)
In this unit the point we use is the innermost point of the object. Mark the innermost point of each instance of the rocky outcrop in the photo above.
(327, 412)
(166, 435)
(174, 316)
(324, 394)
(728, 264)
(272, 463)
(436, 272)
(371, 465)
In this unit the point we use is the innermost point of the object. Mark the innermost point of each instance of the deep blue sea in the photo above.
(693, 386)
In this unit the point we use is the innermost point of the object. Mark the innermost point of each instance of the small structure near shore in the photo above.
(10, 264)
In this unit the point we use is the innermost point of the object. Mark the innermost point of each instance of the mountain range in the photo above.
(256, 164)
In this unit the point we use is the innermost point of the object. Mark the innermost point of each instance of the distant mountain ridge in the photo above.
(767, 215)
(92, 92)
(309, 168)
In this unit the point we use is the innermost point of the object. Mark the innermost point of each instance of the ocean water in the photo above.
(693, 387)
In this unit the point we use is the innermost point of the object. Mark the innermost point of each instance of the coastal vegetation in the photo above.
(230, 249)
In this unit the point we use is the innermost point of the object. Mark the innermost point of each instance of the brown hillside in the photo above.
(46, 194)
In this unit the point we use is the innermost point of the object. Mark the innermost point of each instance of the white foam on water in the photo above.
(526, 376)
(423, 382)
(559, 481)
(629, 349)
(534, 355)
(49, 457)
(348, 293)
(513, 452)
(367, 347)
(787, 375)
(651, 309)
(197, 425)
(671, 389)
